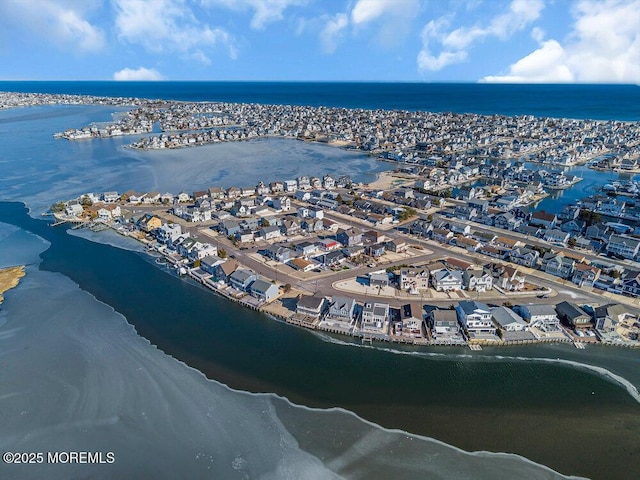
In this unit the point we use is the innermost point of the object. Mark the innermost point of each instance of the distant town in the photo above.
(425, 254)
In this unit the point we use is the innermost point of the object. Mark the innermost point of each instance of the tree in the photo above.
(264, 222)
(407, 213)
(339, 199)
(286, 288)
(429, 218)
(57, 207)
(572, 242)
(222, 253)
(85, 201)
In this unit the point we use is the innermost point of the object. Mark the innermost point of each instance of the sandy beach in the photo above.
(9, 278)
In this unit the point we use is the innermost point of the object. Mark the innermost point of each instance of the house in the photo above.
(341, 309)
(375, 251)
(413, 279)
(241, 279)
(332, 259)
(541, 316)
(573, 226)
(278, 253)
(508, 320)
(410, 324)
(477, 279)
(349, 237)
(624, 246)
(168, 233)
(310, 305)
(229, 227)
(148, 222)
(264, 290)
(631, 284)
(524, 256)
(378, 279)
(372, 236)
(543, 219)
(468, 244)
(183, 197)
(444, 324)
(110, 197)
(302, 264)
(506, 277)
(327, 244)
(446, 280)
(507, 221)
(210, 262)
(281, 204)
(375, 317)
(223, 271)
(192, 249)
(306, 248)
(396, 246)
(585, 275)
(109, 212)
(475, 317)
(276, 187)
(607, 317)
(558, 264)
(442, 235)
(573, 316)
(269, 233)
(312, 225)
(556, 237)
(74, 209)
(216, 192)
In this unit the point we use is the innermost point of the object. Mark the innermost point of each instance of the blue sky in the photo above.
(555, 41)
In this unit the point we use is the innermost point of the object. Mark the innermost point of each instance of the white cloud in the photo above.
(603, 46)
(264, 11)
(168, 26)
(332, 31)
(60, 22)
(454, 45)
(139, 74)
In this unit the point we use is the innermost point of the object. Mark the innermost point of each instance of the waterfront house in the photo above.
(310, 305)
(215, 192)
(574, 226)
(168, 233)
(573, 316)
(183, 197)
(109, 212)
(210, 262)
(541, 316)
(148, 222)
(477, 279)
(264, 290)
(341, 309)
(444, 324)
(223, 271)
(585, 275)
(607, 317)
(543, 219)
(242, 278)
(375, 317)
(74, 209)
(192, 249)
(624, 246)
(475, 317)
(110, 197)
(410, 325)
(508, 320)
(446, 280)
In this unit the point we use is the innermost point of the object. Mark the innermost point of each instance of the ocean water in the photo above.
(602, 102)
(66, 334)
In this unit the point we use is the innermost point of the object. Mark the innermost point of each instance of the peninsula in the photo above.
(9, 278)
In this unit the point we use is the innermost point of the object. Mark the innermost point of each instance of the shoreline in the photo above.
(10, 278)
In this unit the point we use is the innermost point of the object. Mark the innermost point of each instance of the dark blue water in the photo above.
(601, 102)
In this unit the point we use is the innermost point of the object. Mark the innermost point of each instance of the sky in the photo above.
(532, 41)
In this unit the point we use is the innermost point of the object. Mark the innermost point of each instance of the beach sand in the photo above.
(9, 278)
(389, 179)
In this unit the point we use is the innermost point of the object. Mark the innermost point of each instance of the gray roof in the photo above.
(470, 306)
(310, 302)
(261, 285)
(505, 316)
